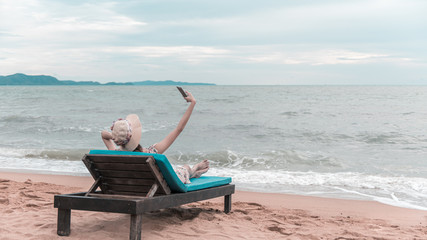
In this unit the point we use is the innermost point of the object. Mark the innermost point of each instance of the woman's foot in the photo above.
(199, 169)
(201, 165)
(199, 173)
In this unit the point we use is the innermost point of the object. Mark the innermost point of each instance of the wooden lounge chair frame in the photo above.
(131, 185)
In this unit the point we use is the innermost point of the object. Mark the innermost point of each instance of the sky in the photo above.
(283, 42)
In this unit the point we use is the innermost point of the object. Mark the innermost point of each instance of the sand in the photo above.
(26, 205)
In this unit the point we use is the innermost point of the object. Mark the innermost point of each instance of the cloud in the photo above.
(321, 57)
(192, 54)
(105, 41)
(320, 22)
(317, 55)
(32, 22)
(76, 24)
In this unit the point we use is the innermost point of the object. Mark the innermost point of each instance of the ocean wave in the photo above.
(230, 99)
(44, 166)
(294, 114)
(24, 119)
(156, 126)
(289, 114)
(63, 154)
(385, 138)
(262, 161)
(265, 172)
(42, 124)
(242, 126)
(395, 190)
(408, 113)
(284, 160)
(418, 186)
(70, 129)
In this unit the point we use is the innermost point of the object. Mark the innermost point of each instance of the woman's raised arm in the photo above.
(163, 145)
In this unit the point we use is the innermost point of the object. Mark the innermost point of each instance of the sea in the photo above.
(351, 142)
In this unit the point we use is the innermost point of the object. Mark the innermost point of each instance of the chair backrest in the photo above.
(125, 175)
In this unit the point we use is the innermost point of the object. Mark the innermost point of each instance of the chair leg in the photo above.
(227, 203)
(135, 227)
(64, 219)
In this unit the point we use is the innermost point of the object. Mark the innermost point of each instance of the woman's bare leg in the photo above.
(187, 176)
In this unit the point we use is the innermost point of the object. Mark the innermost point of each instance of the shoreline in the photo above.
(27, 197)
(239, 188)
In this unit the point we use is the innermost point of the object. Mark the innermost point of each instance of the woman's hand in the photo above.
(107, 138)
(190, 97)
(106, 135)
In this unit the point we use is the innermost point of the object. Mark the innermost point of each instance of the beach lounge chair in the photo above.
(134, 183)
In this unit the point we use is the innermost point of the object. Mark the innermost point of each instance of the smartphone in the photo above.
(182, 91)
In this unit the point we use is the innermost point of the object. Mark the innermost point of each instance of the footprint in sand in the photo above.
(186, 214)
(351, 234)
(279, 230)
(179, 213)
(255, 204)
(241, 211)
(197, 230)
(47, 225)
(294, 217)
(209, 216)
(25, 194)
(157, 227)
(276, 222)
(54, 193)
(4, 201)
(32, 205)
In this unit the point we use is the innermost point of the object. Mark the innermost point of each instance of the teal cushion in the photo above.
(206, 182)
(175, 184)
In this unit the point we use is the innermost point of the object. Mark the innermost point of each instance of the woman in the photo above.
(126, 134)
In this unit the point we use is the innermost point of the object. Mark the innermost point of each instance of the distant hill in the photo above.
(23, 79)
